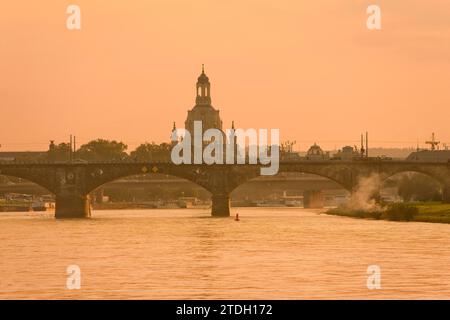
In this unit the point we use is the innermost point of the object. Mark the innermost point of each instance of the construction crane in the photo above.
(434, 144)
(288, 146)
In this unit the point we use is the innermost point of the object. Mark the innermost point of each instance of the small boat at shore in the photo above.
(38, 206)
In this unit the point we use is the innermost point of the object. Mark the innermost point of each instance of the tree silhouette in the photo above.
(102, 150)
(152, 152)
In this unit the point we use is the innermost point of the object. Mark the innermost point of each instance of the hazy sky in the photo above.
(310, 68)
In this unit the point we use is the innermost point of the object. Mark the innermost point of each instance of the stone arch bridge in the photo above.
(72, 182)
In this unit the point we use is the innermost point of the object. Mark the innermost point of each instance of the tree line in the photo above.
(109, 150)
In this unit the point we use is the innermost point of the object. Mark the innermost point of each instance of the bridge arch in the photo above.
(261, 178)
(164, 178)
(436, 173)
(99, 175)
(291, 181)
(34, 175)
(416, 185)
(340, 174)
(25, 185)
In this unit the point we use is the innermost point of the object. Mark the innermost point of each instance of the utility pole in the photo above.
(367, 144)
(362, 151)
(74, 145)
(70, 149)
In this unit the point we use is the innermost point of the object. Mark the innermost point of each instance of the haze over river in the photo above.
(285, 253)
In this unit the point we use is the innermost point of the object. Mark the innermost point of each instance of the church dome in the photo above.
(315, 150)
(203, 110)
(203, 78)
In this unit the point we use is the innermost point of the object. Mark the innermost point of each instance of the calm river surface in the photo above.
(285, 253)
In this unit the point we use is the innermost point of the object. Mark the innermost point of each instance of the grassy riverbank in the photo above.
(417, 211)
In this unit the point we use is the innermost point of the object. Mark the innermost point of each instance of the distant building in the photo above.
(346, 154)
(289, 156)
(203, 110)
(315, 152)
(434, 154)
(430, 155)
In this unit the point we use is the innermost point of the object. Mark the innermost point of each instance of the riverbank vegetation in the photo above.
(412, 211)
(13, 206)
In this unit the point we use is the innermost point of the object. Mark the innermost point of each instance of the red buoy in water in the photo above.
(237, 217)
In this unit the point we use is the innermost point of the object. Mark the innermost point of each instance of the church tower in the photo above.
(203, 110)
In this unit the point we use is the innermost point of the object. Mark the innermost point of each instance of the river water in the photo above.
(271, 253)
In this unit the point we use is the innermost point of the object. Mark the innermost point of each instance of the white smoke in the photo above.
(362, 198)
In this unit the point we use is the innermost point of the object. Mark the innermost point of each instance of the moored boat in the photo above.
(38, 206)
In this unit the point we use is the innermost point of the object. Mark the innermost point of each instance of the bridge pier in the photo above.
(72, 206)
(446, 194)
(220, 205)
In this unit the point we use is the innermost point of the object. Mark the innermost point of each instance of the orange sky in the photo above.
(310, 68)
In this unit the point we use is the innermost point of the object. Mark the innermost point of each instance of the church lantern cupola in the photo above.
(203, 89)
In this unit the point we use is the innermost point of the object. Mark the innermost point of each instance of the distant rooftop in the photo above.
(431, 156)
(12, 155)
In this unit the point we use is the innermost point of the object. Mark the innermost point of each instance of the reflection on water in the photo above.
(270, 254)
